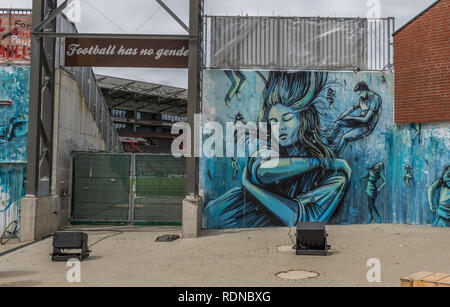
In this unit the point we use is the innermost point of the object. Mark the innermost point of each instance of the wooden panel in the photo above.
(409, 280)
(426, 279)
(436, 277)
(445, 282)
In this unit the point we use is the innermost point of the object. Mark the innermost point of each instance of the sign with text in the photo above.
(159, 53)
(15, 39)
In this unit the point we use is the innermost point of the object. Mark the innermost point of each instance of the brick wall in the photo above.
(422, 67)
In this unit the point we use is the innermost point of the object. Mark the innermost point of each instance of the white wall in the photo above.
(75, 129)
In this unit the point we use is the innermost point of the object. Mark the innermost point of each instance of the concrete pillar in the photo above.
(39, 217)
(192, 216)
(27, 218)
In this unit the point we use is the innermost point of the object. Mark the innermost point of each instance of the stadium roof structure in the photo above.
(142, 96)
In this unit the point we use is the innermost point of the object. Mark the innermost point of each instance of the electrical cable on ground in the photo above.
(115, 233)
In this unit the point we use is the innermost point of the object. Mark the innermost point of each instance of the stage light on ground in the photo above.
(68, 245)
(311, 239)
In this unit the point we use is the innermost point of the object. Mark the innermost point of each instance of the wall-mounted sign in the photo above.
(15, 39)
(92, 52)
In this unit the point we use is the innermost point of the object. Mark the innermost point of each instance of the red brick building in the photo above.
(422, 66)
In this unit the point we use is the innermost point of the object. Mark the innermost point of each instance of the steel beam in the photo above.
(114, 36)
(35, 105)
(51, 16)
(174, 16)
(193, 106)
(40, 122)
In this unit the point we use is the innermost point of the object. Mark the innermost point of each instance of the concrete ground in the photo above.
(234, 258)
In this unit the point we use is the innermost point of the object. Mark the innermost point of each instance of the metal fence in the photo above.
(130, 188)
(298, 43)
(89, 86)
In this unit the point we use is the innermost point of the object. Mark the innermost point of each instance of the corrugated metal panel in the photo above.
(297, 43)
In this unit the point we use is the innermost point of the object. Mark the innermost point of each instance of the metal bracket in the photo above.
(52, 16)
(174, 16)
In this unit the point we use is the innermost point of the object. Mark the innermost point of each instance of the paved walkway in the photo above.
(234, 258)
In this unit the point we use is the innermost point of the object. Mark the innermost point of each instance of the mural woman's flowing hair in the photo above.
(300, 91)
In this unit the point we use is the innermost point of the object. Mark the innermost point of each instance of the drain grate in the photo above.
(297, 275)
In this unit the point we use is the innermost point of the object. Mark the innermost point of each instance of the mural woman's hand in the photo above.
(342, 165)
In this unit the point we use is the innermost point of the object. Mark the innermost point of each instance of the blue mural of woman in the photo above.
(306, 183)
(439, 199)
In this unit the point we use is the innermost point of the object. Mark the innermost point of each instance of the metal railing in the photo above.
(298, 43)
(90, 89)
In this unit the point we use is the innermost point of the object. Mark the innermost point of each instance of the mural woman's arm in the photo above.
(317, 204)
(286, 210)
(276, 170)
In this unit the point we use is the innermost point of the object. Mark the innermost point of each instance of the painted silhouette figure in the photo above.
(235, 167)
(239, 118)
(383, 80)
(238, 81)
(439, 199)
(369, 104)
(305, 182)
(408, 176)
(17, 127)
(330, 98)
(416, 130)
(210, 176)
(373, 176)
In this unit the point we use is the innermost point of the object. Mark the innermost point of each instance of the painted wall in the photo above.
(340, 167)
(14, 99)
(15, 43)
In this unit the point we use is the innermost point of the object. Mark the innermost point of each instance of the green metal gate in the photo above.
(142, 189)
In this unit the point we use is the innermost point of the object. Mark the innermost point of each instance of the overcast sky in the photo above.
(146, 16)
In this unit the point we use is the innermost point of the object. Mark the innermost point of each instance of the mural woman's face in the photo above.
(289, 123)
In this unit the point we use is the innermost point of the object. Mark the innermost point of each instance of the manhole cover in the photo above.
(296, 275)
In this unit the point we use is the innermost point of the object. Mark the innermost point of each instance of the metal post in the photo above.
(195, 9)
(42, 84)
(132, 187)
(35, 105)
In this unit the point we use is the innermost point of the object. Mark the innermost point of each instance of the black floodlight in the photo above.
(311, 239)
